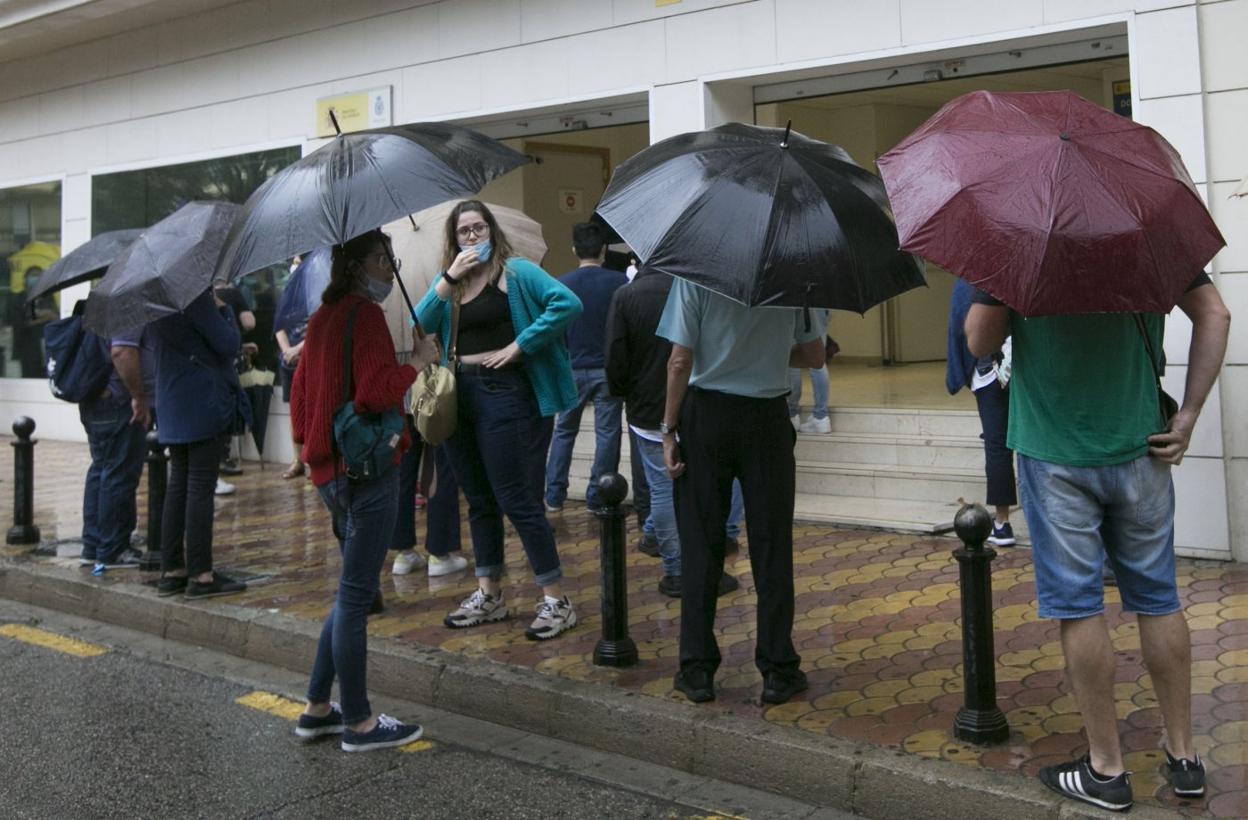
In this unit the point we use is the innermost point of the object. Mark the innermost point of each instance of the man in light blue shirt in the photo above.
(727, 381)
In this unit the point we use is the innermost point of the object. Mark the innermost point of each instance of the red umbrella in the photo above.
(1051, 204)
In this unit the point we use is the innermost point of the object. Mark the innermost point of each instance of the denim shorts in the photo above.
(1080, 517)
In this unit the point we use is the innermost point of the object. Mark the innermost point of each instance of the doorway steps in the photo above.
(895, 469)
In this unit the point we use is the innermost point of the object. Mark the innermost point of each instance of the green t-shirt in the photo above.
(1083, 391)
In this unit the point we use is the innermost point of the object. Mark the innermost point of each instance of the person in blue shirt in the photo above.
(594, 285)
(726, 417)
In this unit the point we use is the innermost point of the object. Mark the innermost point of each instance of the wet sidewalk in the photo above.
(877, 629)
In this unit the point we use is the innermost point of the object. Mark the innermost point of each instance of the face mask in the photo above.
(483, 249)
(378, 290)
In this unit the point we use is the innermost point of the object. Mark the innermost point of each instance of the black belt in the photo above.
(480, 369)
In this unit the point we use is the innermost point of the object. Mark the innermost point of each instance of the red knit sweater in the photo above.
(380, 381)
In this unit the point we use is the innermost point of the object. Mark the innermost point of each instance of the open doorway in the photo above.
(894, 355)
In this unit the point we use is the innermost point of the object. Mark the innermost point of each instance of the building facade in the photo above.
(113, 111)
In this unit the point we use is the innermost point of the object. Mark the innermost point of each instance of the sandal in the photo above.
(294, 470)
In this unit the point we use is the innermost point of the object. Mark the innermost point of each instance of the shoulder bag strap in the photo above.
(347, 392)
(454, 340)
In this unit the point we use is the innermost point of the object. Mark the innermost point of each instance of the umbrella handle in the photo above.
(420, 331)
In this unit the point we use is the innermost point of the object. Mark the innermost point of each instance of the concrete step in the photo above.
(906, 422)
(958, 452)
(882, 513)
(900, 482)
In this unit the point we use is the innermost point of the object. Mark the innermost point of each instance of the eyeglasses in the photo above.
(480, 229)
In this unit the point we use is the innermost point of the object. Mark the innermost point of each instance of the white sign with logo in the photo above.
(570, 200)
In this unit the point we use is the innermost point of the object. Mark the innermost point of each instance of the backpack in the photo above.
(365, 441)
(77, 364)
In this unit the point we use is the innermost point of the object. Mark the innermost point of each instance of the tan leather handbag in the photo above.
(434, 402)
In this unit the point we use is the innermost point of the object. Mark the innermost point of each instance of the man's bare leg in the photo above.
(1090, 670)
(1167, 647)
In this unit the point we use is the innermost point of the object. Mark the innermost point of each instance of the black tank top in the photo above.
(485, 323)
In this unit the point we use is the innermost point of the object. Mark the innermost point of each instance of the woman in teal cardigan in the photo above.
(513, 375)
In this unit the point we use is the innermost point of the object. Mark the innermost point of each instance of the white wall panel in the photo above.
(923, 21)
(1234, 385)
(60, 110)
(636, 11)
(1227, 118)
(1231, 214)
(295, 16)
(624, 57)
(131, 141)
(1234, 290)
(75, 203)
(544, 19)
(1181, 121)
(133, 51)
(675, 109)
(106, 101)
(1166, 55)
(1224, 27)
(473, 26)
(405, 37)
(810, 29)
(721, 40)
(1237, 499)
(1058, 11)
(1207, 437)
(442, 88)
(1200, 514)
(516, 76)
(183, 132)
(83, 149)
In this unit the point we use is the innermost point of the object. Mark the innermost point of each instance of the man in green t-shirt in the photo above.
(1094, 479)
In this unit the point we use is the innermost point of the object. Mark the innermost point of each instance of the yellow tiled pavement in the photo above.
(877, 627)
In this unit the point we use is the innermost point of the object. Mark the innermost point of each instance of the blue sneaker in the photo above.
(310, 727)
(1002, 535)
(387, 734)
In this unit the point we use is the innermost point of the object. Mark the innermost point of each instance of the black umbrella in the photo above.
(163, 271)
(260, 396)
(84, 263)
(356, 183)
(763, 216)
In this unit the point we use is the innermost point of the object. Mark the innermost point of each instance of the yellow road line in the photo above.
(273, 704)
(291, 709)
(50, 640)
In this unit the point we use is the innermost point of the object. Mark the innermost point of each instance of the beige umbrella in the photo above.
(419, 243)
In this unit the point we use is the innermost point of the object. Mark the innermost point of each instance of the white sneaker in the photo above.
(814, 425)
(224, 488)
(477, 608)
(554, 615)
(407, 561)
(445, 565)
(796, 421)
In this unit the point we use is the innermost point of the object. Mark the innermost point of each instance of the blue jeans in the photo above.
(363, 520)
(109, 513)
(736, 511)
(441, 512)
(497, 454)
(819, 386)
(662, 520)
(1079, 516)
(650, 528)
(591, 385)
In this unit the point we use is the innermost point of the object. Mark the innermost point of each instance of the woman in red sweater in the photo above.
(363, 511)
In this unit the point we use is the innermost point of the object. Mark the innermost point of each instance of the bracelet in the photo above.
(449, 280)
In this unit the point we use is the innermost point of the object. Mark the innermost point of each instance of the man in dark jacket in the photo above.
(594, 285)
(636, 369)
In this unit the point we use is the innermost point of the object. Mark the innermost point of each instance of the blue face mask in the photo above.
(378, 290)
(483, 249)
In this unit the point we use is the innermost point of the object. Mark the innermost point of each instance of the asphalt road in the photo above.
(148, 728)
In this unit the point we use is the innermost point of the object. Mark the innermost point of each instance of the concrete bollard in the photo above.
(979, 720)
(157, 478)
(23, 530)
(615, 648)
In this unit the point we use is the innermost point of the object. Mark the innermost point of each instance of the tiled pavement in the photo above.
(877, 628)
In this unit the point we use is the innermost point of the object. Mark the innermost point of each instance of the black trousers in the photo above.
(725, 437)
(186, 523)
(993, 402)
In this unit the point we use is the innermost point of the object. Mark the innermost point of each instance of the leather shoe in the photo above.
(778, 687)
(671, 586)
(695, 683)
(728, 583)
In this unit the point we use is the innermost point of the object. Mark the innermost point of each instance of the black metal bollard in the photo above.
(979, 720)
(157, 477)
(23, 530)
(615, 648)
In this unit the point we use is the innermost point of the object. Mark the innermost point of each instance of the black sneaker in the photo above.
(387, 734)
(128, 558)
(728, 583)
(171, 586)
(219, 585)
(670, 585)
(1002, 535)
(731, 546)
(779, 687)
(1076, 781)
(648, 545)
(695, 683)
(310, 727)
(1186, 776)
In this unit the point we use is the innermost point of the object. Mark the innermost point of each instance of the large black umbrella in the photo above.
(356, 183)
(84, 263)
(763, 216)
(162, 271)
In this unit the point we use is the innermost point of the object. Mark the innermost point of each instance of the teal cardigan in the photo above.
(541, 310)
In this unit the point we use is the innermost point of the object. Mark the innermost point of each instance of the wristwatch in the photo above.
(666, 430)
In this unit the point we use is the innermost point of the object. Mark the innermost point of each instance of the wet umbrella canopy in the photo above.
(356, 183)
(86, 262)
(163, 271)
(763, 216)
(1051, 204)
